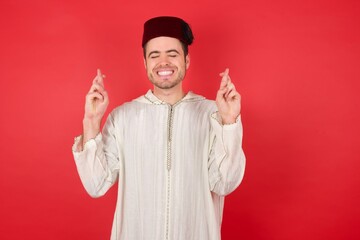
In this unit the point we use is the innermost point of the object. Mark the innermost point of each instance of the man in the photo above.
(175, 154)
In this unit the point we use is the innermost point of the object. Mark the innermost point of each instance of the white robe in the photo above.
(174, 165)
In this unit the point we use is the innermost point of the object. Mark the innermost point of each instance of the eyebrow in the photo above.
(168, 51)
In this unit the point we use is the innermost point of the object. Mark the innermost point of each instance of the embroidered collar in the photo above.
(149, 97)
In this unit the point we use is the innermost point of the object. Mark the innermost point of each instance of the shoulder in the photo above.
(200, 104)
(201, 101)
(125, 108)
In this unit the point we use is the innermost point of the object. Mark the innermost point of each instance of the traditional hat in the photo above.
(166, 26)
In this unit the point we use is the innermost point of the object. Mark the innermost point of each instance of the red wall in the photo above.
(296, 64)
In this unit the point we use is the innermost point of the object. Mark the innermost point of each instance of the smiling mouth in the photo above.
(165, 73)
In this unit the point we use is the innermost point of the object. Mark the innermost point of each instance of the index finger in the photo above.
(225, 78)
(99, 78)
(99, 72)
(226, 72)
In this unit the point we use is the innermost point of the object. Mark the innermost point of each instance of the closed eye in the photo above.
(154, 54)
(172, 53)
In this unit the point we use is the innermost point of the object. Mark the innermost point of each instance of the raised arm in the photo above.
(95, 152)
(96, 103)
(227, 159)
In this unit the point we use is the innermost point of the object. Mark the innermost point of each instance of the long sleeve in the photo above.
(226, 159)
(98, 163)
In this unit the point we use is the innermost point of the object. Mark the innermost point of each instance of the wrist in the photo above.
(91, 129)
(226, 120)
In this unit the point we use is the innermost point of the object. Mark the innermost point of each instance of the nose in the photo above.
(164, 60)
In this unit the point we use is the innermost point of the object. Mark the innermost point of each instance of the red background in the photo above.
(296, 64)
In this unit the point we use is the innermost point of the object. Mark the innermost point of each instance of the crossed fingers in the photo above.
(97, 90)
(227, 88)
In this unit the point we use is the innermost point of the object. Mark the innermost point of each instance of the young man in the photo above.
(175, 154)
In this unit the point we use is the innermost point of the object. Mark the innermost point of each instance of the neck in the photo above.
(170, 96)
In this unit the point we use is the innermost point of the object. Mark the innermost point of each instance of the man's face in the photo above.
(165, 62)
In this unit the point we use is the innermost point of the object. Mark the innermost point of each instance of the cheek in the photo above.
(150, 65)
(179, 64)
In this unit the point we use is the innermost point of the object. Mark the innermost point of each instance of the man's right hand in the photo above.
(96, 104)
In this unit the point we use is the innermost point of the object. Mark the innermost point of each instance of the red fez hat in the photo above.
(167, 27)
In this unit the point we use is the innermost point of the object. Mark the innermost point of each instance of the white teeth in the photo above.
(164, 73)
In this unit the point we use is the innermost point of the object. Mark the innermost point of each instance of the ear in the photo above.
(144, 55)
(187, 61)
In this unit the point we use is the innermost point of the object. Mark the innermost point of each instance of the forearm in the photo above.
(227, 161)
(94, 170)
(91, 128)
(97, 162)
